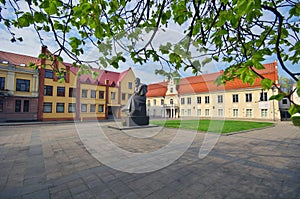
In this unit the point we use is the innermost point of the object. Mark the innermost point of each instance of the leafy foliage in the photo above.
(241, 33)
(296, 120)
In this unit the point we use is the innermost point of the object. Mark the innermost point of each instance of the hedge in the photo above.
(296, 120)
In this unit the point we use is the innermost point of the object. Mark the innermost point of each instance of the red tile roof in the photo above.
(113, 78)
(17, 59)
(157, 89)
(205, 83)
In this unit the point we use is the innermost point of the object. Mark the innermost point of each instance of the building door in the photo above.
(113, 112)
(110, 114)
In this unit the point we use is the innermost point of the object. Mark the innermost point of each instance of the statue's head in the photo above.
(137, 81)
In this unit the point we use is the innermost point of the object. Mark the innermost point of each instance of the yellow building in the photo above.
(82, 97)
(198, 96)
(18, 88)
(28, 94)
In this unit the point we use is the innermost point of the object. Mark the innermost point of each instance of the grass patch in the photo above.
(217, 126)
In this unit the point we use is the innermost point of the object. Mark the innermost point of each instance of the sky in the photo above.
(31, 46)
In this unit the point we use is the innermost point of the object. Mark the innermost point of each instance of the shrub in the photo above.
(296, 120)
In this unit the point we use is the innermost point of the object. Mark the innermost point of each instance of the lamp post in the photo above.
(273, 90)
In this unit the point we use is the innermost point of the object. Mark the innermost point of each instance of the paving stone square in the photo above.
(51, 160)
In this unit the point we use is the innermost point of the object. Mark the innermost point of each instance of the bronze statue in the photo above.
(136, 105)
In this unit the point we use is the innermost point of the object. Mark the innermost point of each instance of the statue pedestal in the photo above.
(136, 120)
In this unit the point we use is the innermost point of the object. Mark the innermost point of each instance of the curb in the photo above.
(49, 122)
(249, 130)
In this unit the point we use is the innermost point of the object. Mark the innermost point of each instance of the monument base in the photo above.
(136, 121)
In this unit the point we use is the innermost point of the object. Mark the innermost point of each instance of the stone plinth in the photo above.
(136, 120)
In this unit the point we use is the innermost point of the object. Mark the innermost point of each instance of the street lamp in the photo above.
(273, 90)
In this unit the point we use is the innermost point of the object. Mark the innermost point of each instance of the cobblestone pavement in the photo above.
(50, 161)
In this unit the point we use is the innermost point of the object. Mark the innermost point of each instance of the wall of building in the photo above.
(95, 105)
(18, 105)
(254, 109)
(125, 88)
(56, 100)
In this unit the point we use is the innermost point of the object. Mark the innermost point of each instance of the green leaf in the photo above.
(174, 58)
(266, 83)
(196, 64)
(298, 88)
(294, 109)
(216, 58)
(164, 49)
(206, 61)
(25, 20)
(52, 7)
(295, 10)
(278, 97)
(258, 65)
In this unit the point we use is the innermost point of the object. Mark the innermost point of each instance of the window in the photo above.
(235, 98)
(148, 104)
(101, 94)
(92, 108)
(113, 95)
(72, 92)
(1, 105)
(84, 93)
(83, 107)
(182, 100)
(93, 94)
(171, 101)
(129, 85)
(248, 97)
(48, 74)
(248, 112)
(171, 90)
(220, 98)
(123, 96)
(100, 108)
(206, 112)
(162, 102)
(23, 85)
(18, 106)
(154, 102)
(48, 90)
(47, 108)
(26, 106)
(2, 83)
(284, 101)
(264, 113)
(235, 112)
(60, 107)
(220, 112)
(189, 112)
(264, 96)
(189, 100)
(198, 112)
(72, 108)
(198, 100)
(206, 99)
(60, 91)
